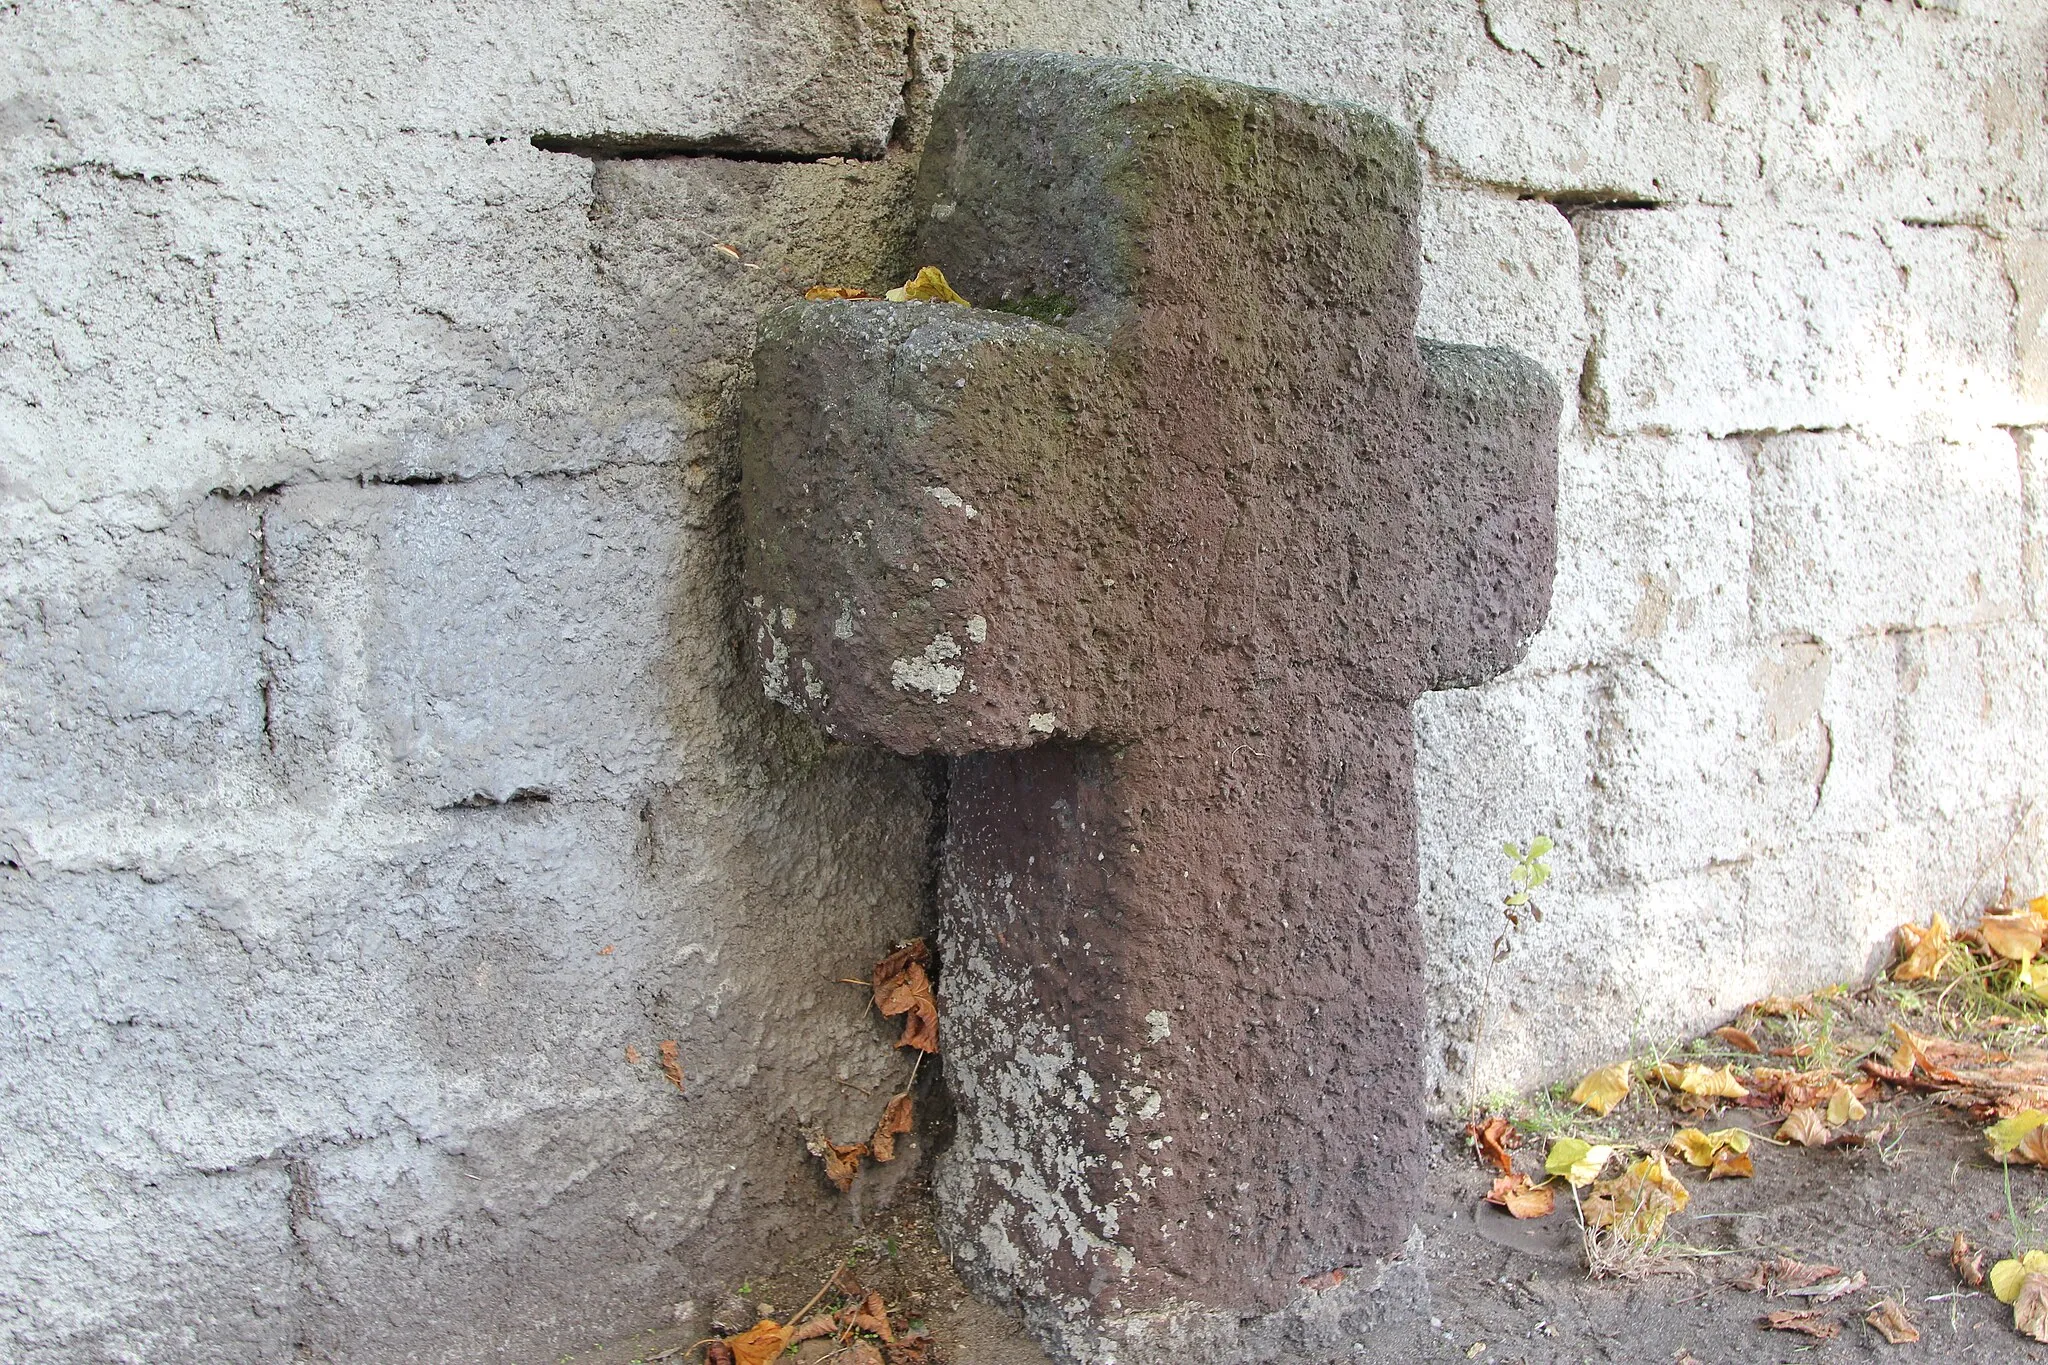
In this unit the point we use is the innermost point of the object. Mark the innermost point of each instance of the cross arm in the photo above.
(924, 555)
(1489, 479)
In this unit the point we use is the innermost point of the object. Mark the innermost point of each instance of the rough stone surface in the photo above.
(245, 245)
(1162, 578)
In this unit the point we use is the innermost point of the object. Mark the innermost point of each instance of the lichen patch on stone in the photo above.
(946, 497)
(930, 671)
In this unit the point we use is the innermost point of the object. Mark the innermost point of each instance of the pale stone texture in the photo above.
(257, 262)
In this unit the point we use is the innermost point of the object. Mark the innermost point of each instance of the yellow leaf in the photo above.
(1575, 1160)
(1843, 1106)
(2006, 1133)
(835, 291)
(1804, 1127)
(928, 285)
(760, 1343)
(1697, 1078)
(2030, 1306)
(1730, 1139)
(2007, 1274)
(2012, 934)
(1603, 1089)
(1922, 951)
(1696, 1147)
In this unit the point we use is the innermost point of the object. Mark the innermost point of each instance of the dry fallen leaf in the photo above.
(1521, 1199)
(1739, 1039)
(902, 987)
(1843, 1106)
(632, 1055)
(909, 1351)
(1891, 1322)
(1637, 1202)
(1791, 1090)
(895, 1122)
(818, 292)
(2030, 1309)
(1494, 1137)
(821, 1325)
(760, 1343)
(842, 1164)
(1783, 1275)
(1804, 1127)
(1815, 1324)
(1697, 1078)
(1967, 1261)
(717, 1353)
(864, 1353)
(1922, 951)
(671, 1063)
(928, 285)
(1781, 1007)
(1730, 1164)
(2012, 934)
(1828, 1293)
(873, 1316)
(1601, 1090)
(1699, 1149)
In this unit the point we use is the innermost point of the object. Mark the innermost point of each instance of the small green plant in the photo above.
(1528, 873)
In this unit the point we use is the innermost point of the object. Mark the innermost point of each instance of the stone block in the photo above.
(2026, 269)
(1973, 717)
(1595, 101)
(482, 641)
(1712, 321)
(1653, 548)
(1703, 758)
(1609, 955)
(130, 672)
(1931, 112)
(1906, 111)
(1835, 552)
(1724, 321)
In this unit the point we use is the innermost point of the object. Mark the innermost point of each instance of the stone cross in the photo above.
(1157, 543)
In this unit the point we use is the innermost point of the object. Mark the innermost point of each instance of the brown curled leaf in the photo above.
(842, 1164)
(1818, 1325)
(1891, 1322)
(895, 1122)
(1739, 1039)
(1495, 1138)
(902, 986)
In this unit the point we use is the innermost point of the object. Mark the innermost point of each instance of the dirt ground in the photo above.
(1885, 1205)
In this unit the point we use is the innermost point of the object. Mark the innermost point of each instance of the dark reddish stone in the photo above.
(1228, 519)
